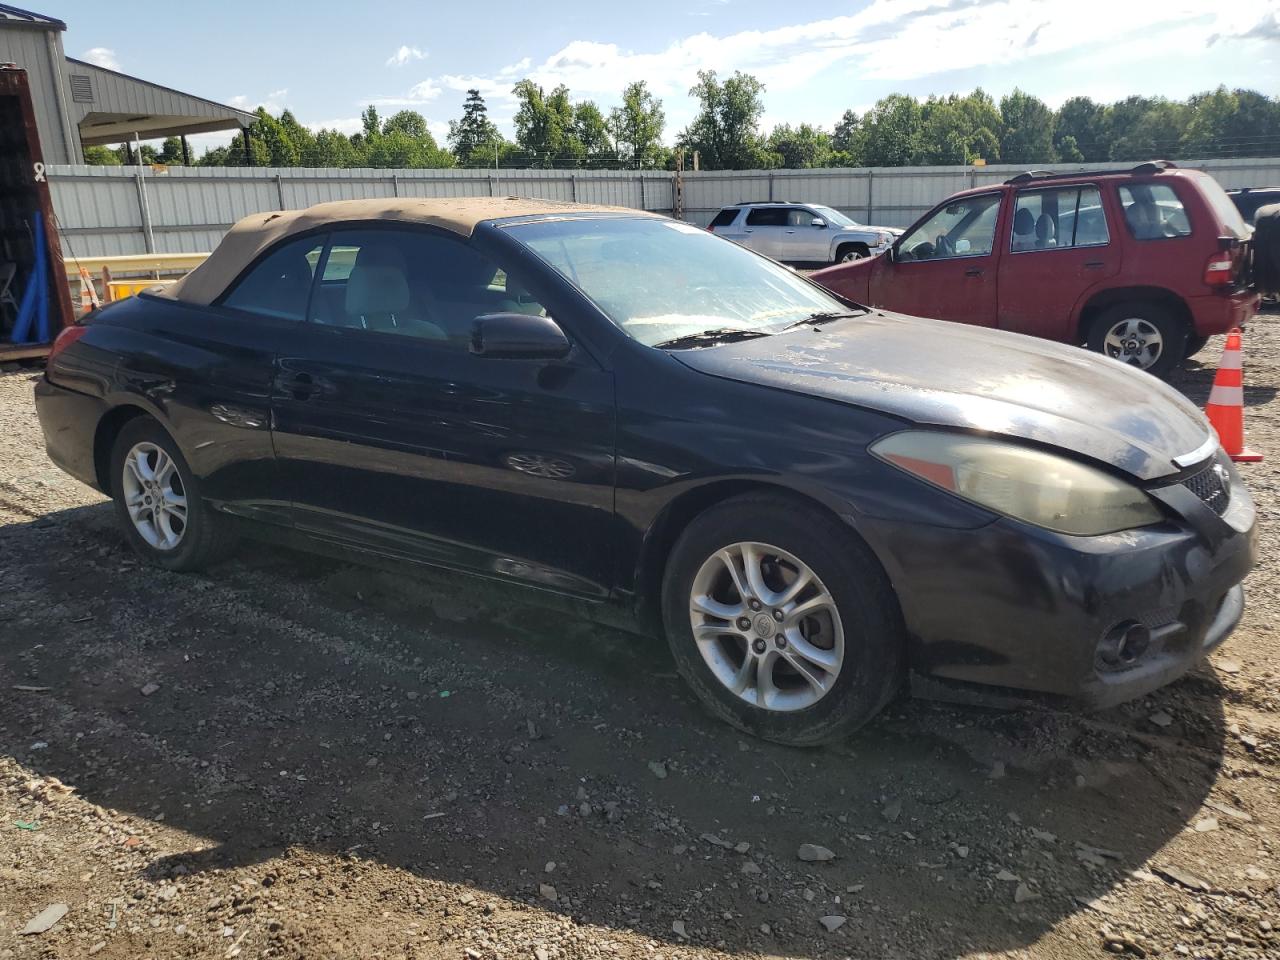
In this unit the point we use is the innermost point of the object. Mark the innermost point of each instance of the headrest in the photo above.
(374, 290)
(1046, 229)
(1024, 221)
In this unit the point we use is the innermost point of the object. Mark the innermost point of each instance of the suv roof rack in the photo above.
(765, 203)
(1150, 166)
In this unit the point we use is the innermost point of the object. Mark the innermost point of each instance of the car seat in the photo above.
(1024, 229)
(1046, 232)
(377, 294)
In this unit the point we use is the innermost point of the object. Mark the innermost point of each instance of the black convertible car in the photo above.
(813, 501)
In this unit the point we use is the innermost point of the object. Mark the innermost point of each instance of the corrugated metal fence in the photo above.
(105, 211)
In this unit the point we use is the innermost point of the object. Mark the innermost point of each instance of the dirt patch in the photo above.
(296, 757)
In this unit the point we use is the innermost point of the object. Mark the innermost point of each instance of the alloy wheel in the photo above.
(1134, 341)
(154, 496)
(766, 626)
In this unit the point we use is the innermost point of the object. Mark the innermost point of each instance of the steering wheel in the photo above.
(943, 246)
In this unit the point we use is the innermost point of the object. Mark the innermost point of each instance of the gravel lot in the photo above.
(296, 757)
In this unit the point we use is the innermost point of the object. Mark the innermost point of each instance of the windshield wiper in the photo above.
(818, 319)
(708, 337)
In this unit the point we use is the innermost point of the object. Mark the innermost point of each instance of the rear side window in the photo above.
(725, 217)
(1061, 218)
(278, 286)
(1154, 212)
(767, 217)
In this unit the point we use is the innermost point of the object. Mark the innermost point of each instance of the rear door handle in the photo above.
(1095, 265)
(973, 272)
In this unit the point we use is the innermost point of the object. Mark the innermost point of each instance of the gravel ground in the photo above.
(297, 757)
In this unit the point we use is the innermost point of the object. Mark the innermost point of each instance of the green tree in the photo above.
(170, 152)
(475, 136)
(801, 146)
(591, 132)
(371, 122)
(1154, 134)
(101, 156)
(724, 132)
(1027, 136)
(637, 125)
(1069, 151)
(1083, 121)
(544, 123)
(334, 149)
(889, 135)
(409, 122)
(281, 150)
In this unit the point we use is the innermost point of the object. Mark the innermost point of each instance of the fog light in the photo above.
(1123, 645)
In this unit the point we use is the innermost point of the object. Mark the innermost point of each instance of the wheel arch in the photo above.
(687, 506)
(841, 245)
(1103, 299)
(104, 438)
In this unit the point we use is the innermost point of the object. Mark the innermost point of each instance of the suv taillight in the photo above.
(66, 338)
(1220, 269)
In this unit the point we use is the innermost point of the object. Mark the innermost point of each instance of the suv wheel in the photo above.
(158, 501)
(1144, 335)
(852, 251)
(783, 626)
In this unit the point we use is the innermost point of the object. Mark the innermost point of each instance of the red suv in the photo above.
(1142, 264)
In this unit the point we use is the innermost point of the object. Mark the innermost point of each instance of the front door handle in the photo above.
(973, 272)
(301, 386)
(1095, 265)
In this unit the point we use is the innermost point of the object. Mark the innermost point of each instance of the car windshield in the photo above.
(662, 280)
(834, 217)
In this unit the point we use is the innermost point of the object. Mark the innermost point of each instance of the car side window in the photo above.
(962, 228)
(413, 283)
(1153, 211)
(800, 218)
(1059, 218)
(767, 217)
(279, 284)
(725, 217)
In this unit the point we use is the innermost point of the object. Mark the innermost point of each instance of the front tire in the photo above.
(782, 623)
(1144, 335)
(158, 501)
(850, 252)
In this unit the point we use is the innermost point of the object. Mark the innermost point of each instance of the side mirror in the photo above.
(817, 222)
(517, 336)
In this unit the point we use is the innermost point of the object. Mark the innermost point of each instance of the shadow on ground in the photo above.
(309, 703)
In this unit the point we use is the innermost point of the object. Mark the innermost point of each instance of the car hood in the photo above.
(946, 374)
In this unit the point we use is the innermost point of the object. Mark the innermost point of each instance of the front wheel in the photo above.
(158, 501)
(784, 625)
(1143, 335)
(852, 251)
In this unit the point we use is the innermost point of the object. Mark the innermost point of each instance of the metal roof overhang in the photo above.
(112, 128)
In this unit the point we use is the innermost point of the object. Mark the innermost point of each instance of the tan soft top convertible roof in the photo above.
(248, 238)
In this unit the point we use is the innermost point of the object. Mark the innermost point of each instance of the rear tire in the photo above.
(847, 635)
(158, 501)
(1143, 334)
(1195, 343)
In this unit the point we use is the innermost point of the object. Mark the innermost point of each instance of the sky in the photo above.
(327, 60)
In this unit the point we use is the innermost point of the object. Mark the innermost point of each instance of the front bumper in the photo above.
(1010, 609)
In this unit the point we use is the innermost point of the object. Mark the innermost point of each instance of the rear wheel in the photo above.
(1144, 335)
(158, 501)
(1195, 343)
(784, 626)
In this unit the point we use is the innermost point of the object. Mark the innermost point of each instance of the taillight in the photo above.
(1219, 271)
(66, 338)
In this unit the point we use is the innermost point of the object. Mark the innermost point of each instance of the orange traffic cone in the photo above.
(1225, 408)
(88, 293)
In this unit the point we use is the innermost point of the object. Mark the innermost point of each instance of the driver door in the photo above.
(394, 437)
(946, 266)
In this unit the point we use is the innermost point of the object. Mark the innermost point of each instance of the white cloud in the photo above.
(102, 57)
(347, 125)
(273, 102)
(405, 55)
(888, 41)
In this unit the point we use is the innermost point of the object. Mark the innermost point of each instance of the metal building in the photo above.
(78, 104)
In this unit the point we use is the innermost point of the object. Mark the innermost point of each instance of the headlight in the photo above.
(1040, 488)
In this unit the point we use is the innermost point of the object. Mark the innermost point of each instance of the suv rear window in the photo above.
(767, 217)
(1154, 212)
(725, 217)
(1221, 205)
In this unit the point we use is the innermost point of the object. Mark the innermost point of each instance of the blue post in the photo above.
(35, 298)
